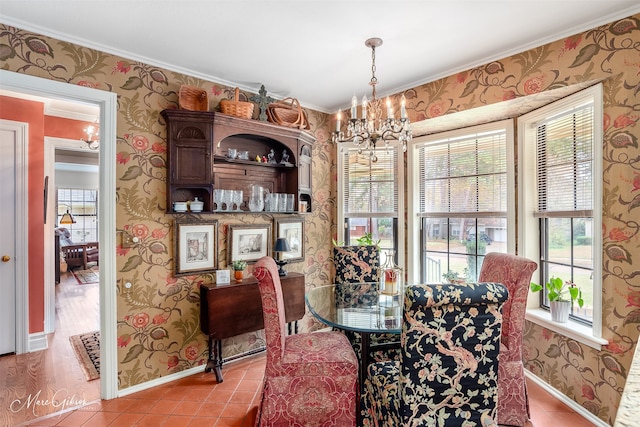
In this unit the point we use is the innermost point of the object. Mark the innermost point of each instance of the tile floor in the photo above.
(198, 400)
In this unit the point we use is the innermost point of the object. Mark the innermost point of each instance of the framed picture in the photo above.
(292, 229)
(248, 242)
(196, 246)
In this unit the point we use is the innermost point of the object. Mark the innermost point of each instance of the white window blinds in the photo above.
(465, 174)
(370, 187)
(564, 153)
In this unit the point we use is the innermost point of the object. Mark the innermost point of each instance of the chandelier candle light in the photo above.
(367, 131)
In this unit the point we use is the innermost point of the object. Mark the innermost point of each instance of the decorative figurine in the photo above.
(258, 158)
(271, 157)
(264, 159)
(285, 158)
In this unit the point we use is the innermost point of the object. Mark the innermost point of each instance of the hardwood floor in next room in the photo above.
(29, 380)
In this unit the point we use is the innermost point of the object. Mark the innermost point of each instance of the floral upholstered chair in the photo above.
(309, 377)
(448, 372)
(361, 264)
(515, 273)
(356, 264)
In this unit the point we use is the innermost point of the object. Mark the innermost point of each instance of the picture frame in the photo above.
(196, 246)
(248, 242)
(292, 229)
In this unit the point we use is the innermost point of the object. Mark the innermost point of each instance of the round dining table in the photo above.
(361, 308)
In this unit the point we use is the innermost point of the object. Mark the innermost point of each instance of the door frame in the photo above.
(107, 102)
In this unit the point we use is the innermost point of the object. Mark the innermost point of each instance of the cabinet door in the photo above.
(304, 169)
(191, 154)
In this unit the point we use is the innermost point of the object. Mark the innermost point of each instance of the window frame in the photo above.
(414, 225)
(72, 207)
(342, 217)
(528, 224)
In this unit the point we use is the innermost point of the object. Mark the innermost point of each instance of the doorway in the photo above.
(107, 102)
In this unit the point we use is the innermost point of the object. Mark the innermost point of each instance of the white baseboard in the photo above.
(37, 342)
(161, 381)
(566, 400)
(173, 377)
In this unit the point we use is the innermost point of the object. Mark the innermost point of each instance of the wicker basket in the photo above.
(237, 108)
(193, 98)
(288, 112)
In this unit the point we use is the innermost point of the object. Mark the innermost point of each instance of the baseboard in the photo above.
(37, 342)
(176, 376)
(160, 381)
(566, 400)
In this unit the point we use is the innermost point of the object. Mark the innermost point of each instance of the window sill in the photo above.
(574, 330)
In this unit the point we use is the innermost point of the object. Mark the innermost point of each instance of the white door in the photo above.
(8, 141)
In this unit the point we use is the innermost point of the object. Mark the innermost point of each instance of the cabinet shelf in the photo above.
(198, 143)
(218, 159)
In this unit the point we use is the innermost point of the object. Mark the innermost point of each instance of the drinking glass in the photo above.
(289, 202)
(217, 198)
(237, 198)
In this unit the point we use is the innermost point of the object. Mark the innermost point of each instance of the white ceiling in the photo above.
(310, 49)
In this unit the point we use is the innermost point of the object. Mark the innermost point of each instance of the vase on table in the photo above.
(391, 274)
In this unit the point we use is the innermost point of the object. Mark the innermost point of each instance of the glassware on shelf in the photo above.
(237, 199)
(217, 198)
(256, 200)
(290, 200)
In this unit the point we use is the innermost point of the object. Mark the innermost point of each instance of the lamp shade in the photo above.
(282, 245)
(67, 218)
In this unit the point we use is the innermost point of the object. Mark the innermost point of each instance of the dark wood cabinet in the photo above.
(198, 144)
(230, 310)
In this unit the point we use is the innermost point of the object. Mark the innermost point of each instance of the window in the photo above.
(369, 197)
(462, 199)
(82, 204)
(560, 215)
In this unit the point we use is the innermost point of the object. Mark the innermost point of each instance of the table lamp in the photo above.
(281, 246)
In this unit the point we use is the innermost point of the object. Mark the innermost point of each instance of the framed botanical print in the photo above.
(292, 229)
(248, 242)
(196, 246)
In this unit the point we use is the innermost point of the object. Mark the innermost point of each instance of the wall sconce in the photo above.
(281, 246)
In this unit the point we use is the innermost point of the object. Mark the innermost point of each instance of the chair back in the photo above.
(356, 264)
(266, 272)
(450, 344)
(515, 273)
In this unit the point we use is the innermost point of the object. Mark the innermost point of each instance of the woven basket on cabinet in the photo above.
(288, 112)
(237, 108)
(193, 98)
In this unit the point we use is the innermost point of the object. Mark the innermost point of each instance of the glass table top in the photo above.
(359, 307)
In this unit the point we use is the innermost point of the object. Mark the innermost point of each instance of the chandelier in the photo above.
(368, 131)
(93, 137)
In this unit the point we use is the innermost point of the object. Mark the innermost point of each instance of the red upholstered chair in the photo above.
(309, 377)
(515, 273)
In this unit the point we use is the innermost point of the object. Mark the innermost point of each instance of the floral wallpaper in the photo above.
(158, 330)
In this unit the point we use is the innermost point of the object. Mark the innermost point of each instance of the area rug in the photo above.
(85, 277)
(87, 349)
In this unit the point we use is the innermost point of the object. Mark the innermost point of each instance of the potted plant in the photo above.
(559, 302)
(238, 269)
(452, 277)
